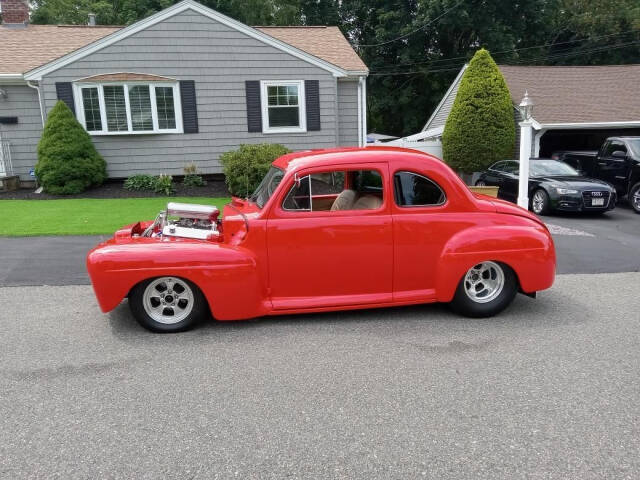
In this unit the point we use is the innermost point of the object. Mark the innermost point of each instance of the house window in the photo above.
(129, 108)
(283, 108)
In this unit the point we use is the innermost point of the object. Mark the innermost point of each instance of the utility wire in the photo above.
(431, 62)
(402, 37)
(546, 58)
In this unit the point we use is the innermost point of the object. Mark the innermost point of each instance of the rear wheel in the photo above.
(481, 183)
(634, 197)
(540, 202)
(485, 290)
(167, 304)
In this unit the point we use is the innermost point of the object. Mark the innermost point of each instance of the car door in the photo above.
(325, 258)
(613, 165)
(510, 178)
(493, 175)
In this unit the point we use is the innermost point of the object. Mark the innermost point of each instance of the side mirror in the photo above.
(619, 154)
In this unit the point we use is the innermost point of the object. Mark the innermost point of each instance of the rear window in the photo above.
(415, 190)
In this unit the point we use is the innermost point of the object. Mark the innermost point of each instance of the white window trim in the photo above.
(302, 110)
(77, 95)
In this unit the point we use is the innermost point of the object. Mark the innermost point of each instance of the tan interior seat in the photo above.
(344, 201)
(367, 202)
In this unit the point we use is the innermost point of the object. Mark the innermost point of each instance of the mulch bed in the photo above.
(114, 189)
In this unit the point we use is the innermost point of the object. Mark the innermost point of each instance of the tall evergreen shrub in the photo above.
(480, 129)
(67, 160)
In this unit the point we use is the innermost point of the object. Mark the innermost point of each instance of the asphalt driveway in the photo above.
(547, 390)
(606, 243)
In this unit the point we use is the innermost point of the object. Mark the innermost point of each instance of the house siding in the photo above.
(190, 46)
(442, 114)
(22, 102)
(348, 113)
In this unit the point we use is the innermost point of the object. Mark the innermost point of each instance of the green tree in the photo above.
(67, 160)
(480, 128)
(246, 167)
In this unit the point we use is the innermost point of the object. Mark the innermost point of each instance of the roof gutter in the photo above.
(11, 78)
(574, 125)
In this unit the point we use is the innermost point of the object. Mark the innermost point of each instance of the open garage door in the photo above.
(584, 139)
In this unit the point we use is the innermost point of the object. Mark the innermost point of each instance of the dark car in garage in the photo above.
(553, 185)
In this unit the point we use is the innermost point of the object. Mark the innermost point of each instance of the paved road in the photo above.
(585, 244)
(547, 390)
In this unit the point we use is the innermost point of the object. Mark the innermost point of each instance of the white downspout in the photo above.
(363, 113)
(359, 113)
(37, 87)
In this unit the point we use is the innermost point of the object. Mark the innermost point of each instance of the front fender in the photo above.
(527, 249)
(227, 275)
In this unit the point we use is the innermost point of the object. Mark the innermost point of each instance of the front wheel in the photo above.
(634, 197)
(540, 202)
(167, 304)
(485, 290)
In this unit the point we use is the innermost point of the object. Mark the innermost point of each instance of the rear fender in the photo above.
(227, 275)
(528, 250)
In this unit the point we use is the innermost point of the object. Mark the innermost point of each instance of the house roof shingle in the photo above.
(327, 43)
(24, 49)
(577, 94)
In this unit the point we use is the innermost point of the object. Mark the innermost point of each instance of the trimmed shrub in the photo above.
(68, 162)
(244, 168)
(480, 129)
(140, 182)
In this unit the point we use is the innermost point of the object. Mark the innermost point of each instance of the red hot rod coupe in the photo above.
(328, 230)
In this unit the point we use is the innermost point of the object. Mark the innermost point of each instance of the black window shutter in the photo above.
(254, 107)
(64, 92)
(189, 107)
(312, 92)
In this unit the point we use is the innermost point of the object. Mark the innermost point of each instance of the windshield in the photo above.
(267, 186)
(635, 146)
(544, 168)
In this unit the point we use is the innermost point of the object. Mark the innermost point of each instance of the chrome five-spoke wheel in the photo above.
(484, 282)
(167, 304)
(540, 202)
(168, 300)
(486, 289)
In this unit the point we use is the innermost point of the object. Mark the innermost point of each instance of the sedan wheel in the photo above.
(485, 290)
(634, 197)
(167, 304)
(540, 202)
(481, 183)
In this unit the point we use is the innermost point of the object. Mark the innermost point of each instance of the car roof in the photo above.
(339, 156)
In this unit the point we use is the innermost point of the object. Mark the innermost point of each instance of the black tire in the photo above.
(545, 206)
(634, 197)
(199, 308)
(481, 183)
(463, 304)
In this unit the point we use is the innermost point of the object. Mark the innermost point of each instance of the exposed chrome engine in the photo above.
(193, 221)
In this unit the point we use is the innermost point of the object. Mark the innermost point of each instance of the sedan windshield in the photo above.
(546, 168)
(267, 186)
(635, 146)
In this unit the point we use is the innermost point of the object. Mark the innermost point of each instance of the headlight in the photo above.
(565, 191)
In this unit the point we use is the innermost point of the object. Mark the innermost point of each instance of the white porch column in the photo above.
(526, 129)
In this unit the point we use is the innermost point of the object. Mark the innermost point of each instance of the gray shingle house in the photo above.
(181, 86)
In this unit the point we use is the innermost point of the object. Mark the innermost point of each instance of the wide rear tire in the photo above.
(167, 304)
(485, 290)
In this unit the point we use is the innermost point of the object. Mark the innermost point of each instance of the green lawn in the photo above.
(83, 216)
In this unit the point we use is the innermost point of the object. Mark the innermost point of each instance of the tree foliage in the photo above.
(480, 128)
(67, 160)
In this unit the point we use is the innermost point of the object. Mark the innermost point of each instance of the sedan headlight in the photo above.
(566, 191)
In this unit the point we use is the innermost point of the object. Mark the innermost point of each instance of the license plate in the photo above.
(597, 202)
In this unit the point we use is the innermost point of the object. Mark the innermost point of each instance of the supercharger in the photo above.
(185, 220)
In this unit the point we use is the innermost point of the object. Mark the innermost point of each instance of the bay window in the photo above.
(129, 108)
(283, 106)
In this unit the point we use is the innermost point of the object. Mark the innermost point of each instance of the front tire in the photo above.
(540, 202)
(485, 290)
(167, 304)
(634, 197)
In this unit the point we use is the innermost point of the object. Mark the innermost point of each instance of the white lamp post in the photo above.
(526, 127)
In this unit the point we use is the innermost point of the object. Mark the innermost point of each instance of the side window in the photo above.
(498, 166)
(413, 190)
(336, 190)
(618, 147)
(511, 167)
